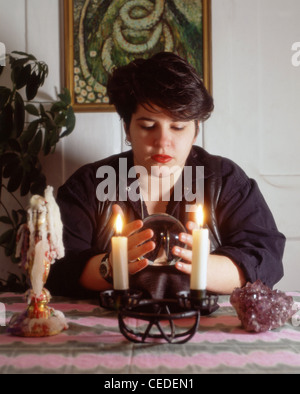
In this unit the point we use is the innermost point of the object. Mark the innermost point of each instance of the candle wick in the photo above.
(199, 226)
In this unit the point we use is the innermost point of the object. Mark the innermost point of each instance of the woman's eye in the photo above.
(152, 126)
(178, 128)
(147, 126)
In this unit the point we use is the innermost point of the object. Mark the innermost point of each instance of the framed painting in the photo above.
(103, 34)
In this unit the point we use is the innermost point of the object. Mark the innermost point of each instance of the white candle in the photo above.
(120, 258)
(200, 252)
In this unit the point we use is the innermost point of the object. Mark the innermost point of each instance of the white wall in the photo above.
(257, 102)
(256, 91)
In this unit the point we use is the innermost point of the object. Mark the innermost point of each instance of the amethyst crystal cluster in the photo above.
(261, 309)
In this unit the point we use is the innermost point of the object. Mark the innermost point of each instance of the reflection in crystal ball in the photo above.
(166, 235)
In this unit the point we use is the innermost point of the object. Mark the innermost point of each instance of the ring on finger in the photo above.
(133, 261)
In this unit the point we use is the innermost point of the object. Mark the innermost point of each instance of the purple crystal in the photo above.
(261, 309)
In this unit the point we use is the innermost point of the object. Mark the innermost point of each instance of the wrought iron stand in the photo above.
(159, 313)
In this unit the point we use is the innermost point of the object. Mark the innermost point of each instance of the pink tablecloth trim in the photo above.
(19, 307)
(241, 336)
(64, 338)
(106, 336)
(173, 361)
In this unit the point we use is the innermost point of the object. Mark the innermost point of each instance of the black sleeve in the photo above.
(247, 227)
(78, 207)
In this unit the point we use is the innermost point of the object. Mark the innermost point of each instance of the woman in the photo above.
(161, 101)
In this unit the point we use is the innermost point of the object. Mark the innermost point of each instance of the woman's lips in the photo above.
(161, 158)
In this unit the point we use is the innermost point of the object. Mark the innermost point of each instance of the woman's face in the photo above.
(160, 143)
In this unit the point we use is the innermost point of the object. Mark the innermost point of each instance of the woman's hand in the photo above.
(185, 254)
(138, 242)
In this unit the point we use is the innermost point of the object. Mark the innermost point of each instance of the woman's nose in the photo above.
(162, 137)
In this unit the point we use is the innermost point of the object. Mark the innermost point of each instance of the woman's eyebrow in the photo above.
(154, 120)
(145, 118)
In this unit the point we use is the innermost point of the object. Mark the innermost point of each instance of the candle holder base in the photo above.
(154, 319)
(200, 300)
(117, 299)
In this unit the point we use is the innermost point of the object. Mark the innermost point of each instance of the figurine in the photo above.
(39, 243)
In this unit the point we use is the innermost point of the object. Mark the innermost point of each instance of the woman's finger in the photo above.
(139, 238)
(186, 239)
(116, 209)
(132, 227)
(140, 251)
(191, 226)
(137, 266)
(185, 254)
(184, 267)
(139, 242)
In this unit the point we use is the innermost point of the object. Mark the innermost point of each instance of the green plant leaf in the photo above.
(23, 215)
(42, 110)
(19, 114)
(36, 144)
(6, 236)
(6, 220)
(15, 179)
(70, 122)
(43, 72)
(11, 165)
(17, 62)
(15, 216)
(50, 140)
(47, 144)
(9, 157)
(58, 106)
(10, 246)
(54, 138)
(39, 185)
(6, 122)
(4, 96)
(65, 97)
(32, 109)
(32, 86)
(30, 132)
(28, 56)
(60, 119)
(14, 145)
(15, 70)
(25, 185)
(22, 76)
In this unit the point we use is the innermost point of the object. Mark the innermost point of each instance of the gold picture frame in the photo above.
(92, 26)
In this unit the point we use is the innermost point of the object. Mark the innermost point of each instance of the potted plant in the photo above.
(28, 129)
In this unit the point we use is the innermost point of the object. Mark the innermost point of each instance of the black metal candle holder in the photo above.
(159, 314)
(119, 299)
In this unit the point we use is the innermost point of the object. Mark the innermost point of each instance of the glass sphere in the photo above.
(166, 230)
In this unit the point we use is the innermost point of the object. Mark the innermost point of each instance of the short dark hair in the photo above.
(165, 80)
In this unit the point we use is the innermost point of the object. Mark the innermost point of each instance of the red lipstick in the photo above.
(163, 159)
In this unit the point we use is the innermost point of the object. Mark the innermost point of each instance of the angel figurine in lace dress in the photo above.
(39, 243)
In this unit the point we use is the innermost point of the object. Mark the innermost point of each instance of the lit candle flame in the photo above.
(200, 216)
(119, 224)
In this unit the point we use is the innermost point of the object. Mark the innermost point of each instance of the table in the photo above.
(94, 344)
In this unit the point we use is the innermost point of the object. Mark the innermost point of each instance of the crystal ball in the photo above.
(166, 230)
